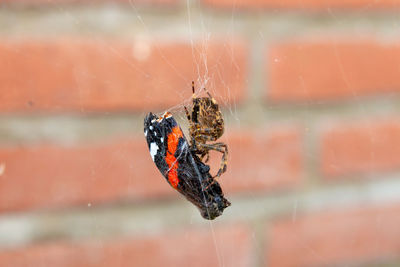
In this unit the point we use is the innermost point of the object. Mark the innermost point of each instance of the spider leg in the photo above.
(210, 96)
(206, 155)
(208, 93)
(207, 158)
(187, 114)
(223, 148)
(220, 147)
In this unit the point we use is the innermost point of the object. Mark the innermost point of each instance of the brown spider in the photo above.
(206, 125)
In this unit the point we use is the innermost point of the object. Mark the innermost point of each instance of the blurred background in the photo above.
(310, 94)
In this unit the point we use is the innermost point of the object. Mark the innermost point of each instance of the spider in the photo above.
(206, 125)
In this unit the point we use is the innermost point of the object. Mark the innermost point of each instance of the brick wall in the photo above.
(310, 94)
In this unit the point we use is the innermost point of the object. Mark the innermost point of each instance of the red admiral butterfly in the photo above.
(182, 168)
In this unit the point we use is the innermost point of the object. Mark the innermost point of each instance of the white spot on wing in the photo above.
(151, 127)
(162, 139)
(145, 133)
(153, 150)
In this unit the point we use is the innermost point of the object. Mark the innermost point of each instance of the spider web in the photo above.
(203, 79)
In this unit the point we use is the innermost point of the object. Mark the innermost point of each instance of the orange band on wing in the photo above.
(173, 140)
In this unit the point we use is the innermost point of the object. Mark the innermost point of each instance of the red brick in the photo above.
(331, 70)
(361, 148)
(83, 75)
(53, 176)
(335, 238)
(304, 4)
(228, 246)
(263, 160)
